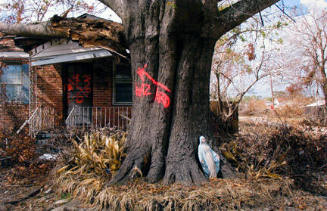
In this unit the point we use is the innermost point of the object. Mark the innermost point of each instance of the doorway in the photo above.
(79, 95)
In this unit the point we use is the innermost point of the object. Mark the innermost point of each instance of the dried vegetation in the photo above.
(91, 163)
(19, 152)
(267, 151)
(281, 167)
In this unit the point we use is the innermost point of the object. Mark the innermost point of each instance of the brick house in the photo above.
(59, 83)
(14, 84)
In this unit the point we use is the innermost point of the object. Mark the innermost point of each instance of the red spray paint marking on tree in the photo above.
(144, 89)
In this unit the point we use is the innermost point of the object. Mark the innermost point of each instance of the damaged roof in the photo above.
(63, 50)
(8, 49)
(87, 30)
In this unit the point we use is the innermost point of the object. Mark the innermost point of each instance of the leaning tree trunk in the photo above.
(171, 63)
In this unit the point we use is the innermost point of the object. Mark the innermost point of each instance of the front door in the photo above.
(79, 92)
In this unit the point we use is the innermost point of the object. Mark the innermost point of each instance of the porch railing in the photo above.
(42, 118)
(28, 120)
(97, 117)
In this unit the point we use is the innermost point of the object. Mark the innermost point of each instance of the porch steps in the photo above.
(46, 142)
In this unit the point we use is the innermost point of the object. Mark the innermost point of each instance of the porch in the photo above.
(44, 118)
(98, 117)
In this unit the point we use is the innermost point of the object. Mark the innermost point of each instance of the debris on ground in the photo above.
(280, 167)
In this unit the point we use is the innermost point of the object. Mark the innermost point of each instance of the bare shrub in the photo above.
(278, 151)
(290, 111)
(253, 107)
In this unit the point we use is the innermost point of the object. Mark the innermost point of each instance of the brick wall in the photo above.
(12, 114)
(48, 88)
(7, 44)
(102, 83)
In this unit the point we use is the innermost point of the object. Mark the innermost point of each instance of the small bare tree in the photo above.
(240, 61)
(308, 44)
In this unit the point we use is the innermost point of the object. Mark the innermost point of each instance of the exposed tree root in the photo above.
(184, 171)
(131, 168)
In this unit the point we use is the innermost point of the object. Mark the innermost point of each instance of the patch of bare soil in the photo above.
(25, 194)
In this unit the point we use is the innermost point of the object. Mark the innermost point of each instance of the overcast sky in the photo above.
(262, 88)
(106, 12)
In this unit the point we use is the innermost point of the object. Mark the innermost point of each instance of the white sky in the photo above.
(262, 88)
(314, 4)
(106, 14)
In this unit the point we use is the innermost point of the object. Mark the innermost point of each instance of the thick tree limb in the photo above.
(87, 31)
(32, 30)
(237, 13)
(118, 6)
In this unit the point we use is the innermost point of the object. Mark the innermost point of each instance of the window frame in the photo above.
(3, 84)
(116, 80)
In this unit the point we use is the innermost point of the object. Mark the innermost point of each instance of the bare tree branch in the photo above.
(34, 30)
(239, 12)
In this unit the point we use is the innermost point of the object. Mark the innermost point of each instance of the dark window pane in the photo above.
(123, 72)
(123, 92)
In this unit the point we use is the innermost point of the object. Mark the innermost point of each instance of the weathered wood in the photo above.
(90, 32)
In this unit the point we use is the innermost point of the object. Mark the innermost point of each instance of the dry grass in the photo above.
(219, 194)
(267, 158)
(275, 151)
(290, 111)
(91, 163)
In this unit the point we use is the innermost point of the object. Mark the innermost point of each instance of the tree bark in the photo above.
(32, 30)
(163, 141)
(324, 82)
(173, 42)
(171, 45)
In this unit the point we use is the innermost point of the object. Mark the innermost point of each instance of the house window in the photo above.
(14, 83)
(123, 89)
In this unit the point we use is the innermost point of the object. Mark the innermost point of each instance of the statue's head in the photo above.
(202, 140)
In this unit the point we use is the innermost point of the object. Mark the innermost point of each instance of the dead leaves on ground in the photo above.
(23, 158)
(266, 151)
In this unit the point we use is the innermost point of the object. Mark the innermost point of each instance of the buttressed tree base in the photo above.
(171, 44)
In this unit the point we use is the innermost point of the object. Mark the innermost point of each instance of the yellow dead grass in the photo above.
(85, 177)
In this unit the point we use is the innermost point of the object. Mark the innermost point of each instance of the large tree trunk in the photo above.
(171, 44)
(163, 138)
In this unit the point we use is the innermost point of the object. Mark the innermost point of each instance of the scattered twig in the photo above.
(34, 193)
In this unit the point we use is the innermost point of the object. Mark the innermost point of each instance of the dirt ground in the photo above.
(38, 193)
